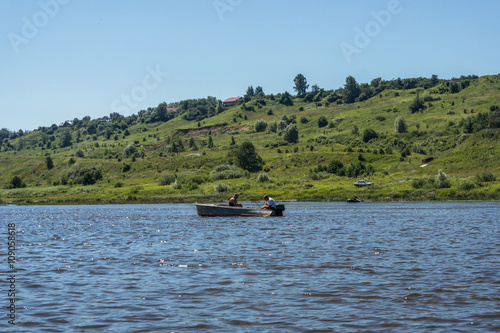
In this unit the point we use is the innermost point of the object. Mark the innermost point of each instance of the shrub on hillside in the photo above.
(442, 180)
(225, 171)
(369, 134)
(166, 180)
(220, 187)
(85, 176)
(400, 125)
(130, 150)
(248, 158)
(485, 177)
(291, 133)
(322, 121)
(260, 126)
(263, 178)
(79, 153)
(466, 185)
(16, 182)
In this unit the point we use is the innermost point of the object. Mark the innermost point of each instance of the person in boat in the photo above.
(270, 203)
(234, 201)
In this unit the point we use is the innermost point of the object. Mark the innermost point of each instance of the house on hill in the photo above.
(231, 101)
(172, 109)
(67, 123)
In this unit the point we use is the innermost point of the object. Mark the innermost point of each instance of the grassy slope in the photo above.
(460, 157)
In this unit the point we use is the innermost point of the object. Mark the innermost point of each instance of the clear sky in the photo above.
(66, 59)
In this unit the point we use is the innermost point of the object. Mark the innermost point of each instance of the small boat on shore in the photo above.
(226, 210)
(355, 199)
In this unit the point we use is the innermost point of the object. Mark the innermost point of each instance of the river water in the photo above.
(323, 267)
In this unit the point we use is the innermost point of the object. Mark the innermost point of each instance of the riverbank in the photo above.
(94, 195)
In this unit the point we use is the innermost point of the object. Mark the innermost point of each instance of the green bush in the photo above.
(369, 134)
(166, 180)
(260, 126)
(248, 158)
(485, 177)
(418, 183)
(466, 185)
(220, 187)
(262, 178)
(225, 171)
(16, 182)
(442, 180)
(322, 121)
(130, 150)
(223, 167)
(291, 134)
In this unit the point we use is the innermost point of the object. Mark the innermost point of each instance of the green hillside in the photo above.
(308, 147)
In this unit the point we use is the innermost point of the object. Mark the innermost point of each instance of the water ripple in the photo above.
(416, 267)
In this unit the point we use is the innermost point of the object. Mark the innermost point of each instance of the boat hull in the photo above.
(225, 210)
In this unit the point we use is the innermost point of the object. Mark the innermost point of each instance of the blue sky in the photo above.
(61, 59)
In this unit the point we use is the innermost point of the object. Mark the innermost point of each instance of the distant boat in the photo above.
(226, 210)
(355, 199)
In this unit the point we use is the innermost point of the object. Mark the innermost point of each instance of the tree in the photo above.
(248, 158)
(434, 80)
(49, 163)
(369, 134)
(335, 166)
(355, 130)
(130, 150)
(250, 91)
(65, 139)
(417, 105)
(286, 99)
(322, 121)
(400, 125)
(291, 133)
(192, 144)
(260, 125)
(79, 153)
(259, 91)
(351, 90)
(4, 133)
(210, 142)
(300, 85)
(17, 182)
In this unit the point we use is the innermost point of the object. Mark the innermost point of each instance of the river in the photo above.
(323, 267)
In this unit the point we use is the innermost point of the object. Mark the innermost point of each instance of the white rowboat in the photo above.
(225, 210)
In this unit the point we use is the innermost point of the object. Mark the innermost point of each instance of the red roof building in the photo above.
(230, 101)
